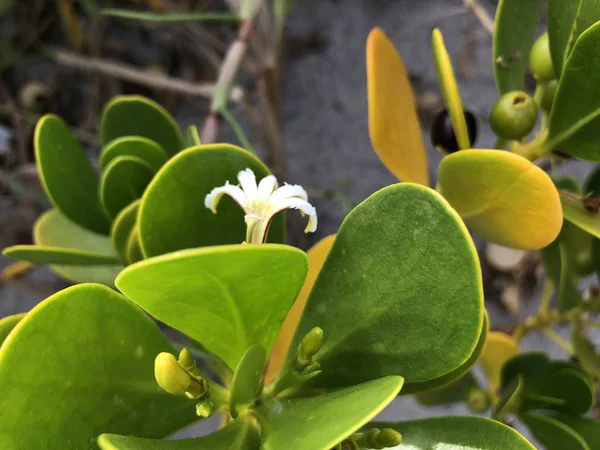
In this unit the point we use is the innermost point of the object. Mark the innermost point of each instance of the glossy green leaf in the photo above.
(572, 387)
(502, 197)
(247, 379)
(514, 32)
(576, 213)
(588, 429)
(136, 146)
(123, 182)
(88, 369)
(447, 82)
(456, 392)
(238, 435)
(567, 19)
(131, 115)
(67, 175)
(191, 138)
(7, 324)
(553, 434)
(54, 230)
(227, 298)
(456, 433)
(133, 249)
(41, 254)
(529, 365)
(379, 278)
(321, 422)
(585, 349)
(558, 269)
(172, 214)
(121, 228)
(574, 120)
(510, 398)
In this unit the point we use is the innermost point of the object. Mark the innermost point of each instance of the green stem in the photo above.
(237, 129)
(546, 298)
(166, 17)
(539, 94)
(535, 149)
(219, 395)
(500, 143)
(558, 340)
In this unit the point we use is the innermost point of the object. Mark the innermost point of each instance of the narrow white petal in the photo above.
(289, 191)
(304, 207)
(247, 180)
(266, 187)
(212, 200)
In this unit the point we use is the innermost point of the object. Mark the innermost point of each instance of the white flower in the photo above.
(262, 202)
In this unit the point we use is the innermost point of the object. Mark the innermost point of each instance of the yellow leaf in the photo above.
(316, 258)
(503, 197)
(499, 348)
(447, 82)
(393, 123)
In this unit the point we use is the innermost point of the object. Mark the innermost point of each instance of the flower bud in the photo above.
(169, 374)
(540, 61)
(388, 438)
(204, 409)
(478, 400)
(309, 346)
(186, 360)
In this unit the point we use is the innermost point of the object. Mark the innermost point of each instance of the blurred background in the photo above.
(300, 100)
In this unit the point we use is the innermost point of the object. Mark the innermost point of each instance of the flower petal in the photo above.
(266, 187)
(304, 207)
(289, 191)
(247, 180)
(212, 199)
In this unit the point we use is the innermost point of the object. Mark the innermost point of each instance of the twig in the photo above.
(558, 340)
(134, 75)
(237, 129)
(169, 17)
(16, 270)
(478, 11)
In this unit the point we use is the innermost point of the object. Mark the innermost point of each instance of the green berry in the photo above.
(514, 115)
(548, 95)
(540, 61)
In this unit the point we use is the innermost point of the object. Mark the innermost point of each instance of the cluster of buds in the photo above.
(373, 438)
(182, 377)
(307, 349)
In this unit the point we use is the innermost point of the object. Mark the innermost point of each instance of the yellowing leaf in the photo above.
(447, 82)
(503, 197)
(316, 257)
(499, 348)
(393, 123)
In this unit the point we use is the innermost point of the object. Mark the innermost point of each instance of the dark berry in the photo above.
(442, 132)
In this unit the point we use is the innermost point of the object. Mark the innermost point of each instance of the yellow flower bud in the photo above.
(169, 374)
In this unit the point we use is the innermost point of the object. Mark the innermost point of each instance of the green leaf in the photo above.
(41, 254)
(139, 147)
(123, 182)
(402, 260)
(510, 398)
(456, 433)
(558, 269)
(456, 392)
(121, 228)
(191, 138)
(588, 429)
(572, 387)
(574, 120)
(227, 298)
(238, 435)
(585, 349)
(133, 249)
(67, 175)
(529, 365)
(567, 19)
(131, 115)
(247, 379)
(514, 32)
(576, 213)
(147, 16)
(172, 213)
(553, 434)
(79, 364)
(321, 422)
(7, 324)
(54, 230)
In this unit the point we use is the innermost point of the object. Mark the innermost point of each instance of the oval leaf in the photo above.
(227, 298)
(514, 31)
(139, 147)
(378, 291)
(510, 398)
(121, 228)
(247, 379)
(447, 82)
(393, 123)
(339, 414)
(67, 175)
(54, 230)
(109, 389)
(7, 324)
(585, 349)
(123, 182)
(503, 197)
(133, 249)
(574, 120)
(588, 429)
(499, 348)
(131, 115)
(191, 138)
(41, 254)
(172, 213)
(553, 434)
(456, 433)
(316, 258)
(576, 213)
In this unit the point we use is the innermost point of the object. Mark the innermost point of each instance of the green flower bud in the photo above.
(309, 346)
(540, 61)
(170, 376)
(389, 438)
(186, 360)
(478, 400)
(514, 115)
(548, 95)
(347, 444)
(204, 409)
